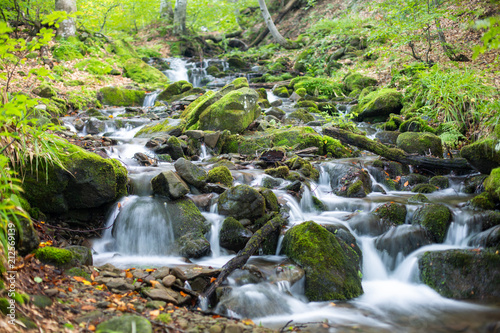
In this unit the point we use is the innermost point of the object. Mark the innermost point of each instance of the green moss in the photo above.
(492, 184)
(418, 199)
(358, 82)
(379, 104)
(54, 256)
(482, 201)
(4, 304)
(420, 143)
(301, 92)
(123, 49)
(392, 212)
(271, 199)
(94, 66)
(192, 113)
(415, 124)
(240, 82)
(305, 167)
(424, 188)
(77, 271)
(121, 97)
(307, 104)
(220, 174)
(441, 182)
(279, 172)
(317, 86)
(334, 148)
(164, 318)
(302, 115)
(393, 123)
(436, 218)
(281, 91)
(174, 89)
(159, 128)
(68, 49)
(354, 188)
(139, 71)
(482, 155)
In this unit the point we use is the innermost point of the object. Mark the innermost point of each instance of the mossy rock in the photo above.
(392, 213)
(233, 235)
(191, 173)
(141, 72)
(281, 91)
(305, 167)
(418, 199)
(436, 218)
(41, 301)
(123, 49)
(307, 104)
(220, 174)
(301, 115)
(483, 201)
(332, 272)
(378, 105)
(115, 96)
(424, 188)
(77, 271)
(45, 91)
(271, 200)
(236, 62)
(301, 92)
(242, 202)
(462, 274)
(54, 256)
(415, 124)
(174, 89)
(492, 184)
(482, 155)
(420, 143)
(393, 123)
(279, 172)
(442, 182)
(89, 181)
(318, 86)
(67, 49)
(27, 239)
(160, 128)
(125, 324)
(357, 81)
(192, 245)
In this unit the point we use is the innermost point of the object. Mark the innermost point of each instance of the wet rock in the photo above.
(378, 105)
(474, 184)
(304, 167)
(424, 188)
(161, 294)
(186, 218)
(125, 324)
(420, 143)
(309, 245)
(418, 199)
(191, 173)
(95, 126)
(357, 82)
(487, 238)
(79, 124)
(354, 182)
(435, 218)
(220, 174)
(81, 255)
(482, 155)
(403, 239)
(192, 245)
(368, 224)
(343, 234)
(279, 172)
(168, 281)
(242, 201)
(462, 274)
(392, 213)
(485, 220)
(277, 103)
(195, 134)
(278, 113)
(233, 235)
(211, 139)
(169, 184)
(26, 237)
(441, 182)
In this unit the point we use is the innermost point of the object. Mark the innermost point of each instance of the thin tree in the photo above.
(180, 17)
(270, 25)
(166, 11)
(67, 28)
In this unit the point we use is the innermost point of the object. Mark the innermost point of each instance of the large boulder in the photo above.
(88, 181)
(191, 173)
(350, 181)
(392, 213)
(420, 143)
(332, 271)
(357, 82)
(492, 184)
(482, 155)
(487, 238)
(242, 202)
(462, 274)
(233, 235)
(233, 112)
(170, 185)
(435, 218)
(140, 72)
(378, 105)
(120, 97)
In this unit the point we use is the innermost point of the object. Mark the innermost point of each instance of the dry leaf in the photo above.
(128, 275)
(183, 294)
(406, 184)
(91, 327)
(212, 280)
(154, 314)
(88, 308)
(248, 322)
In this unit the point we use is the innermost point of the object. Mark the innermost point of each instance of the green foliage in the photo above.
(318, 86)
(491, 38)
(94, 66)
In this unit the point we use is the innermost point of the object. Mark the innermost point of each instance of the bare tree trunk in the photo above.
(166, 11)
(67, 28)
(180, 17)
(270, 25)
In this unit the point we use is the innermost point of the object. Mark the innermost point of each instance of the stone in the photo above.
(487, 238)
(168, 281)
(95, 126)
(191, 173)
(81, 255)
(482, 155)
(27, 239)
(356, 81)
(125, 324)
(120, 97)
(392, 212)
(211, 139)
(332, 272)
(378, 105)
(233, 236)
(169, 184)
(161, 294)
(421, 143)
(192, 245)
(242, 201)
(195, 134)
(435, 218)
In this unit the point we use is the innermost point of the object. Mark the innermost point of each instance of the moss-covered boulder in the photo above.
(441, 182)
(492, 184)
(483, 201)
(169, 184)
(220, 174)
(436, 218)
(233, 112)
(392, 213)
(279, 172)
(27, 239)
(301, 115)
(462, 274)
(161, 128)
(54, 256)
(482, 155)
(357, 82)
(299, 164)
(174, 89)
(332, 272)
(420, 143)
(89, 181)
(125, 324)
(354, 182)
(233, 235)
(242, 202)
(191, 173)
(378, 105)
(140, 72)
(120, 97)
(424, 188)
(415, 124)
(487, 238)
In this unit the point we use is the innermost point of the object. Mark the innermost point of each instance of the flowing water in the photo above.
(394, 299)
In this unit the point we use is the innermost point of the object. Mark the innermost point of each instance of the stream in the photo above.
(394, 299)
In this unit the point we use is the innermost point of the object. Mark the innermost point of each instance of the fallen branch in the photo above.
(395, 154)
(240, 260)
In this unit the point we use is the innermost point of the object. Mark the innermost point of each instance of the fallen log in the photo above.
(240, 260)
(395, 154)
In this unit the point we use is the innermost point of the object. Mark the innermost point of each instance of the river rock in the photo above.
(392, 213)
(242, 201)
(191, 173)
(121, 97)
(233, 112)
(462, 274)
(435, 218)
(211, 139)
(343, 234)
(79, 124)
(421, 143)
(368, 224)
(89, 181)
(357, 82)
(192, 245)
(125, 324)
(492, 184)
(350, 181)
(169, 184)
(95, 126)
(485, 220)
(233, 235)
(487, 238)
(482, 155)
(387, 137)
(332, 272)
(378, 105)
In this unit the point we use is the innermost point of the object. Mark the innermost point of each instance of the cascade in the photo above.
(150, 98)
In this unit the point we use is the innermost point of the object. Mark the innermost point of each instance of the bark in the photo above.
(240, 260)
(281, 14)
(270, 25)
(166, 11)
(395, 154)
(180, 17)
(67, 28)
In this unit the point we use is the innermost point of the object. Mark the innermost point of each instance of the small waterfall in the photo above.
(178, 70)
(280, 244)
(306, 202)
(373, 267)
(150, 98)
(204, 154)
(216, 222)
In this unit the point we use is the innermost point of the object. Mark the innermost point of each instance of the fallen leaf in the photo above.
(248, 322)
(183, 294)
(88, 308)
(154, 283)
(406, 184)
(91, 327)
(154, 314)
(212, 280)
(128, 275)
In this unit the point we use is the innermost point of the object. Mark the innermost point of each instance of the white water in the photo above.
(150, 99)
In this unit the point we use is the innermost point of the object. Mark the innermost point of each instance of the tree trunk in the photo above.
(395, 154)
(67, 28)
(180, 17)
(270, 25)
(166, 11)
(240, 260)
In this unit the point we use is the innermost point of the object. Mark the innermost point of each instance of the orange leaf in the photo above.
(88, 307)
(216, 316)
(91, 327)
(406, 184)
(248, 322)
(150, 269)
(183, 294)
(154, 314)
(128, 275)
(70, 289)
(91, 300)
(212, 280)
(154, 283)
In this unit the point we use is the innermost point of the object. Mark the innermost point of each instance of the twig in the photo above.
(68, 229)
